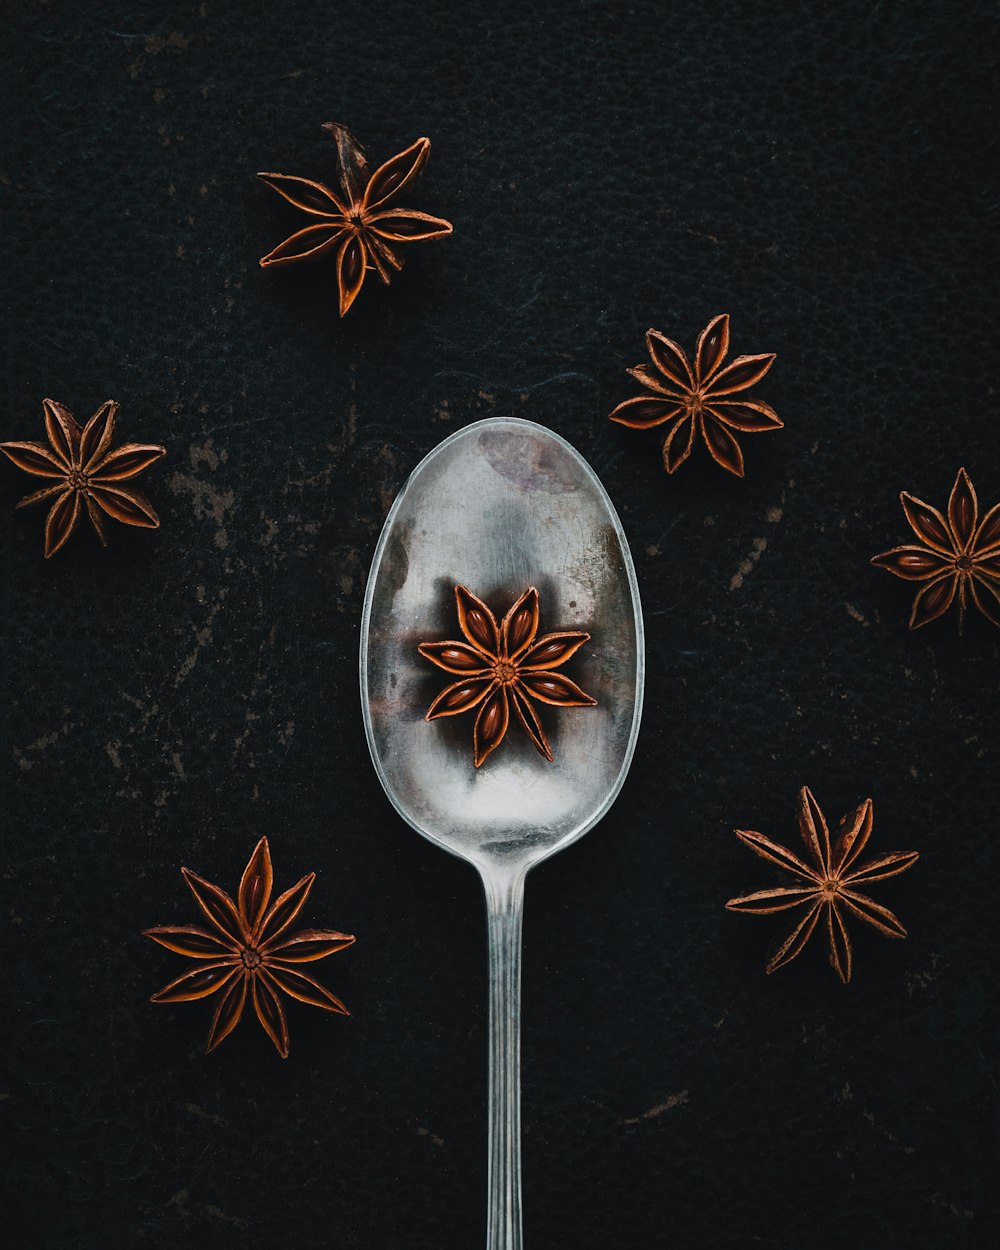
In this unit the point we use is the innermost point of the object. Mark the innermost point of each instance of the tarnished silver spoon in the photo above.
(502, 505)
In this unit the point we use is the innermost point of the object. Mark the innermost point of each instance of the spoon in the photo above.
(502, 505)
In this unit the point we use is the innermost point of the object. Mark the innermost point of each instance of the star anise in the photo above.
(85, 473)
(249, 951)
(358, 224)
(958, 555)
(699, 397)
(829, 885)
(503, 666)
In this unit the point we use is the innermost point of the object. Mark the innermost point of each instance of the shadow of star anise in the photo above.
(503, 666)
(366, 233)
(828, 884)
(86, 473)
(249, 952)
(701, 398)
(958, 556)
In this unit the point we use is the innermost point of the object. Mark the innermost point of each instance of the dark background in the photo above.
(828, 175)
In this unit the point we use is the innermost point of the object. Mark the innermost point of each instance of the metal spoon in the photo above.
(499, 506)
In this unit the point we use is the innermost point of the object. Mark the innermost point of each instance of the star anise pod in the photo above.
(958, 556)
(248, 951)
(699, 397)
(503, 666)
(86, 473)
(358, 224)
(829, 885)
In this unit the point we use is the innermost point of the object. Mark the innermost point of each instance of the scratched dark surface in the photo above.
(828, 174)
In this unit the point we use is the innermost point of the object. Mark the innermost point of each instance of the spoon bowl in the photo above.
(499, 506)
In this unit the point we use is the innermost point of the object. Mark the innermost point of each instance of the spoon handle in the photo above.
(504, 908)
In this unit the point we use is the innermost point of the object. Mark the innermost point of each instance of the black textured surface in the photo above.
(825, 173)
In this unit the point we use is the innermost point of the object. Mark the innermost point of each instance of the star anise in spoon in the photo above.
(85, 473)
(357, 223)
(828, 884)
(503, 666)
(699, 398)
(958, 556)
(248, 952)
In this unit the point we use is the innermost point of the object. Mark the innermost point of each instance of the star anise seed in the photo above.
(502, 666)
(358, 223)
(958, 556)
(699, 397)
(829, 887)
(86, 473)
(248, 952)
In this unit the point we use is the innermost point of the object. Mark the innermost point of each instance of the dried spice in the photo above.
(248, 951)
(503, 666)
(699, 397)
(85, 472)
(958, 556)
(364, 231)
(828, 886)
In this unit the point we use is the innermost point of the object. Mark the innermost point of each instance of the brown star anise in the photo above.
(959, 554)
(85, 473)
(365, 232)
(828, 886)
(504, 665)
(699, 397)
(248, 950)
